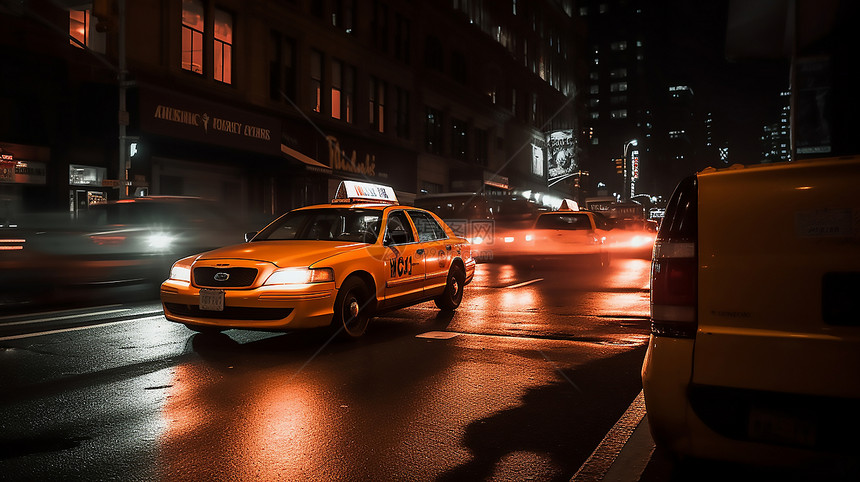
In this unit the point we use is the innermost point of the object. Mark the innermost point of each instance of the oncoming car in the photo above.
(332, 265)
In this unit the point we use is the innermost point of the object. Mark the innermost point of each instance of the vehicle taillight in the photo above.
(674, 267)
(673, 290)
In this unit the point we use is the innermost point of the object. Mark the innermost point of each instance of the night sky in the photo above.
(743, 94)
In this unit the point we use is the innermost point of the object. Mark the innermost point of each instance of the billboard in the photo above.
(561, 155)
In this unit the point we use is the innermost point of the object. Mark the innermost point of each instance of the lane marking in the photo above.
(76, 328)
(604, 456)
(525, 283)
(58, 311)
(55, 318)
(438, 335)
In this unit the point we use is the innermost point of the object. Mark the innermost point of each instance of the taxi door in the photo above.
(436, 247)
(403, 260)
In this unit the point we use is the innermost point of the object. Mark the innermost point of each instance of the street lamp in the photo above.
(625, 193)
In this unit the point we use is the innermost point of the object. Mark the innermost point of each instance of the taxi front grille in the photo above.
(230, 312)
(224, 277)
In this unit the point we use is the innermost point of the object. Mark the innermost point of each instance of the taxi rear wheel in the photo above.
(352, 308)
(452, 296)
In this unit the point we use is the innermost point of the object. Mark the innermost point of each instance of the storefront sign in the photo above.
(193, 119)
(22, 172)
(372, 162)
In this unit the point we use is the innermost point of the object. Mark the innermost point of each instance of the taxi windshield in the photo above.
(328, 224)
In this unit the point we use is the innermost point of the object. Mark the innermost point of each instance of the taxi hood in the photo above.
(283, 253)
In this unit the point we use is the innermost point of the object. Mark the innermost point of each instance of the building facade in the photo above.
(268, 105)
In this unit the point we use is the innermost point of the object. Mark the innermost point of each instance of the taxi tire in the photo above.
(450, 299)
(352, 296)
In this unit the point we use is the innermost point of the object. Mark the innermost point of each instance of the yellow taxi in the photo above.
(333, 264)
(565, 234)
(754, 353)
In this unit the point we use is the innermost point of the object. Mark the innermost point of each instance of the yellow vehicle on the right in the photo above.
(754, 354)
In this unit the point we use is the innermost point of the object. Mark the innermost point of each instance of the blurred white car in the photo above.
(556, 235)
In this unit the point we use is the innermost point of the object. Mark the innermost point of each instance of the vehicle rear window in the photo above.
(563, 221)
(681, 221)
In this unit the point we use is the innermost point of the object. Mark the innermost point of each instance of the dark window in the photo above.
(427, 227)
(433, 53)
(376, 98)
(458, 67)
(282, 69)
(433, 128)
(481, 147)
(459, 139)
(379, 25)
(402, 38)
(401, 113)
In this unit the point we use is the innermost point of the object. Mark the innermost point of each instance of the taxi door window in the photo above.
(428, 228)
(398, 230)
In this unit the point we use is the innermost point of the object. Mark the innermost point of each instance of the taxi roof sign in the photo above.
(353, 191)
(568, 205)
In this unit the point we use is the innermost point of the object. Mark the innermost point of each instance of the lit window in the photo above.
(192, 35)
(79, 21)
(342, 90)
(617, 46)
(223, 46)
(618, 87)
(82, 27)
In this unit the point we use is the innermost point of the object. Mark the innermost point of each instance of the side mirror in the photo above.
(249, 236)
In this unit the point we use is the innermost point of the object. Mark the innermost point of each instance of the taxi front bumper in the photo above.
(275, 308)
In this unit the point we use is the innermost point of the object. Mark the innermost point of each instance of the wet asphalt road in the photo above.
(521, 382)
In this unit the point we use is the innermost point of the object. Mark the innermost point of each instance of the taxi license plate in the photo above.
(782, 428)
(212, 300)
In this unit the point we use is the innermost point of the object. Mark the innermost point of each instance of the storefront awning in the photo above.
(310, 164)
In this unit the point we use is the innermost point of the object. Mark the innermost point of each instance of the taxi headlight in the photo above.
(288, 276)
(509, 239)
(180, 273)
(476, 240)
(529, 237)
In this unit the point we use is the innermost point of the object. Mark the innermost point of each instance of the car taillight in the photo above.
(673, 290)
(674, 267)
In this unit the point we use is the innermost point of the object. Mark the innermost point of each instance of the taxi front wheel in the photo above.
(352, 308)
(452, 296)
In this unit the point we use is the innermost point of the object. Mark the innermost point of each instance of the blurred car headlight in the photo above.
(288, 276)
(180, 273)
(638, 241)
(509, 239)
(529, 237)
(159, 241)
(475, 240)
